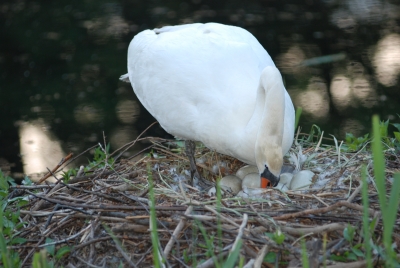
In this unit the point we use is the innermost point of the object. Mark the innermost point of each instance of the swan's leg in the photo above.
(190, 147)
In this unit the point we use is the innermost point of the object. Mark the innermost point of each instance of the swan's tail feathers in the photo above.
(125, 78)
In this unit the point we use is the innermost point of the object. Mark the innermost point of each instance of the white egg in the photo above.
(302, 180)
(251, 180)
(242, 172)
(231, 183)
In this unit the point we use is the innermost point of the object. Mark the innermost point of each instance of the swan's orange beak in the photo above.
(268, 179)
(265, 183)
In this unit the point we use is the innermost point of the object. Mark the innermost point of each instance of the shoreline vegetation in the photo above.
(141, 211)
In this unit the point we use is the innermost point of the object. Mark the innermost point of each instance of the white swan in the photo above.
(215, 84)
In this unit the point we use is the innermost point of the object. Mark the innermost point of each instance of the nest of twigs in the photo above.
(104, 215)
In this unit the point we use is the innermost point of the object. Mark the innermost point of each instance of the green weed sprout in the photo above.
(157, 259)
(299, 110)
(366, 229)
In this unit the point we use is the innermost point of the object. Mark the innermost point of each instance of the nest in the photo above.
(104, 216)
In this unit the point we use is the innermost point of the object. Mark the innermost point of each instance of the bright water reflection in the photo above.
(39, 148)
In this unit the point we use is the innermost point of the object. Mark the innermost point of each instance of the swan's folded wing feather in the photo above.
(124, 78)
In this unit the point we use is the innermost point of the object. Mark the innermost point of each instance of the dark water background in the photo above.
(60, 62)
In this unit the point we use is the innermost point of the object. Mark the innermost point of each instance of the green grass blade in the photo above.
(195, 233)
(218, 208)
(5, 254)
(210, 247)
(387, 207)
(383, 128)
(390, 218)
(299, 110)
(40, 260)
(231, 261)
(379, 164)
(304, 255)
(153, 219)
(365, 202)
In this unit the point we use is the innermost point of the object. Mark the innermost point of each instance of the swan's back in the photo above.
(199, 80)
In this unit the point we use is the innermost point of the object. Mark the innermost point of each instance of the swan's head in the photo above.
(269, 164)
(269, 155)
(270, 116)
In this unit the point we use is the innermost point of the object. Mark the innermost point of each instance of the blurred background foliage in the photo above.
(60, 62)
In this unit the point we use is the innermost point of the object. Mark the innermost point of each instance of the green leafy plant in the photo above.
(270, 257)
(40, 260)
(383, 128)
(70, 173)
(315, 130)
(100, 159)
(355, 252)
(9, 258)
(344, 257)
(56, 254)
(277, 236)
(9, 223)
(349, 232)
(10, 226)
(397, 133)
(353, 143)
(396, 140)
(393, 142)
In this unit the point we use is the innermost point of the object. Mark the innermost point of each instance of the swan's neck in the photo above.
(270, 105)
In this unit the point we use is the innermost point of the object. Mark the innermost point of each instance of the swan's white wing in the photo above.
(289, 124)
(200, 82)
(202, 77)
